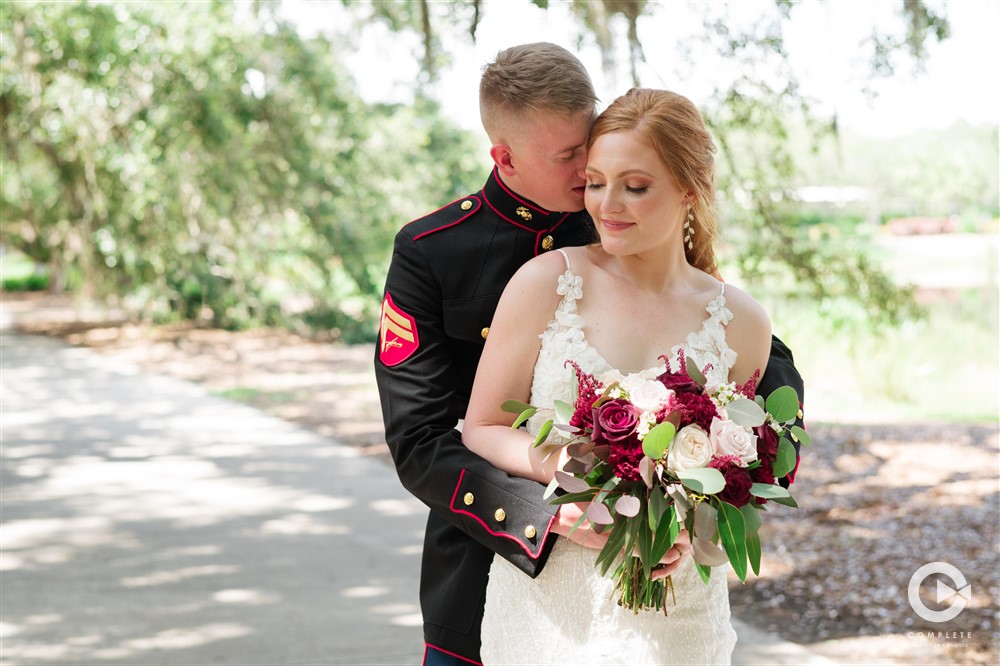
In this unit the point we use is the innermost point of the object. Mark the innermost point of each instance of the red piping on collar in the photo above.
(509, 191)
(486, 527)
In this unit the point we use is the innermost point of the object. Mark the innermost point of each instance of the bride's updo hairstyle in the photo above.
(676, 131)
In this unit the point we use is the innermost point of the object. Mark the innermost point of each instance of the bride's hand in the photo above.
(674, 557)
(567, 517)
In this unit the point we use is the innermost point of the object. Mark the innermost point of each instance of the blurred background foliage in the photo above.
(213, 164)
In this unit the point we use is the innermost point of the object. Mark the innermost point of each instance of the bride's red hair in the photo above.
(677, 133)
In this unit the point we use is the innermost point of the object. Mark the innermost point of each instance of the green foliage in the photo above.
(209, 162)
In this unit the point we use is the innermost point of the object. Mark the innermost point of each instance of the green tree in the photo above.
(208, 163)
(751, 115)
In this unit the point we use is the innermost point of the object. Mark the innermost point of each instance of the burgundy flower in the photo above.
(762, 474)
(624, 461)
(588, 391)
(695, 408)
(738, 481)
(679, 382)
(767, 443)
(618, 420)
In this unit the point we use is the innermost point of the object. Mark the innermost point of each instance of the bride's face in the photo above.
(636, 204)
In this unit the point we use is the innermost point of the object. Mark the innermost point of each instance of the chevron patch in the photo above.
(397, 336)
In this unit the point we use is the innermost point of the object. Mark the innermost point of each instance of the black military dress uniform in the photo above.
(447, 273)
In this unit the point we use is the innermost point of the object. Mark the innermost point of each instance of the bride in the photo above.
(647, 290)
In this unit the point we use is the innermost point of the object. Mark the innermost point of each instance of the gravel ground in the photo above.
(876, 501)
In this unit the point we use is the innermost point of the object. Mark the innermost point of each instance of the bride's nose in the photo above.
(611, 201)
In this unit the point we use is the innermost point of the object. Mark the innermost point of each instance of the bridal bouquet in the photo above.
(650, 456)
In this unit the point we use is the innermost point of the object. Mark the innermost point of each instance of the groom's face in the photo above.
(549, 154)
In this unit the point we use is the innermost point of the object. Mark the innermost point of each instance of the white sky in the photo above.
(960, 81)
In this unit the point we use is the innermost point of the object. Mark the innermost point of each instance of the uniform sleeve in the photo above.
(422, 401)
(780, 372)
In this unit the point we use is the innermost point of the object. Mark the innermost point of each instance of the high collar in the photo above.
(516, 209)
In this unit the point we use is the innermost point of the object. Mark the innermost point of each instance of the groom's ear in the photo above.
(502, 158)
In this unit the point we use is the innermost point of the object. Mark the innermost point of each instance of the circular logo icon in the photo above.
(959, 594)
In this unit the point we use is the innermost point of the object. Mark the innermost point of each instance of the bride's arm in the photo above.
(506, 368)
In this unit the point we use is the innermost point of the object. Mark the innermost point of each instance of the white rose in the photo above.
(731, 439)
(650, 396)
(690, 449)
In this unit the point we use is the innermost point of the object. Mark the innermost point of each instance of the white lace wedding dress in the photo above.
(568, 614)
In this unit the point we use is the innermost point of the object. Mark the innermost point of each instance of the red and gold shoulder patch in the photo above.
(398, 337)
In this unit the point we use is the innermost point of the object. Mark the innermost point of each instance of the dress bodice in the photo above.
(568, 614)
(564, 339)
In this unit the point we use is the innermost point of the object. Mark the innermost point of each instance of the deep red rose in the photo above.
(762, 474)
(617, 419)
(679, 382)
(767, 443)
(738, 481)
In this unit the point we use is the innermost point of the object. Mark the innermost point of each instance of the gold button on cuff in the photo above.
(469, 499)
(485, 332)
(500, 515)
(530, 531)
(548, 243)
(466, 205)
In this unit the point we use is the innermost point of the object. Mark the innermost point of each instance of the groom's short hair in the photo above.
(531, 78)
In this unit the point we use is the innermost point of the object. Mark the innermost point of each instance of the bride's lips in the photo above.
(615, 225)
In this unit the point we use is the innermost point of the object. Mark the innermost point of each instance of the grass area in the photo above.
(944, 367)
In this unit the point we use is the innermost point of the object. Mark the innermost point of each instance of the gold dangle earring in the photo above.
(689, 228)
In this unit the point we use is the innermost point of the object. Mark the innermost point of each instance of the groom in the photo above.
(447, 272)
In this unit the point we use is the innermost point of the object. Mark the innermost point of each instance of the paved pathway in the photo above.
(145, 521)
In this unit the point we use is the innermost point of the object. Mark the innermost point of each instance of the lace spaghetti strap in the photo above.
(569, 266)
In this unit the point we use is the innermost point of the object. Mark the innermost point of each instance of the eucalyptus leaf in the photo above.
(785, 461)
(644, 540)
(787, 501)
(753, 552)
(759, 399)
(543, 433)
(570, 483)
(598, 513)
(551, 488)
(666, 532)
(745, 413)
(612, 547)
(783, 404)
(566, 428)
(564, 411)
(704, 572)
(522, 417)
(733, 536)
(628, 505)
(515, 406)
(646, 471)
(705, 521)
(657, 508)
(573, 498)
(707, 553)
(751, 518)
(801, 436)
(768, 491)
(694, 372)
(658, 439)
(704, 480)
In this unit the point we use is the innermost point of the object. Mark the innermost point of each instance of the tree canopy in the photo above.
(216, 164)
